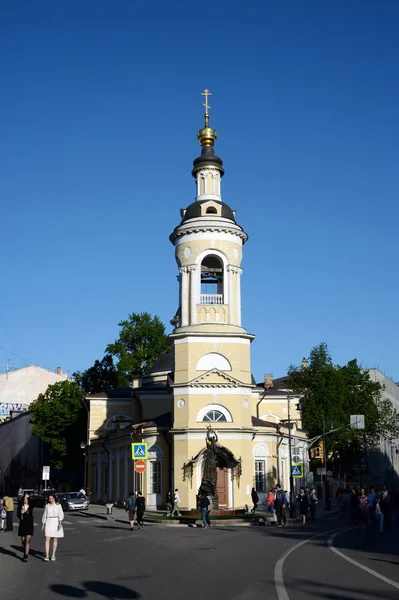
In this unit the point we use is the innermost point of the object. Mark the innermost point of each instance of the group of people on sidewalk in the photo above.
(53, 516)
(372, 506)
(278, 504)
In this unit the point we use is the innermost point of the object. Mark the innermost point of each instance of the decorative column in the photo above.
(125, 472)
(118, 481)
(98, 482)
(193, 293)
(230, 275)
(184, 295)
(238, 294)
(110, 457)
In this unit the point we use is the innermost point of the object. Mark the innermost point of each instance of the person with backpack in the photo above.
(140, 510)
(303, 500)
(280, 506)
(255, 499)
(131, 509)
(169, 503)
(204, 509)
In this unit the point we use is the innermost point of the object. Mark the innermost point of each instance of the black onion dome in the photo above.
(207, 159)
(194, 211)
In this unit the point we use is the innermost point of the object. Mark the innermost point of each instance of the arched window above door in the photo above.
(214, 413)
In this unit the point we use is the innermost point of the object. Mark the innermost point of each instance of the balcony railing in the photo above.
(211, 299)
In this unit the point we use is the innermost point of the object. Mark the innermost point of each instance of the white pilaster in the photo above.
(193, 293)
(98, 491)
(118, 480)
(125, 473)
(184, 295)
(230, 275)
(110, 478)
(238, 295)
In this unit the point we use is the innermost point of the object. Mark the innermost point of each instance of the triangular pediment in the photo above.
(214, 377)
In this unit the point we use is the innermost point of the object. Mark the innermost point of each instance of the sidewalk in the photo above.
(99, 511)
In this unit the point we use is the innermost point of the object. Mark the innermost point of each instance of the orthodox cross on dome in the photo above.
(206, 93)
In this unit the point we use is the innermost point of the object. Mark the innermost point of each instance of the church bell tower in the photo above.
(211, 349)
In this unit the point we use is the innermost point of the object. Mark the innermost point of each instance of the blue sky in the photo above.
(99, 109)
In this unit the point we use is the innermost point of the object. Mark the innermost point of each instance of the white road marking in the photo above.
(114, 539)
(278, 569)
(357, 564)
(67, 523)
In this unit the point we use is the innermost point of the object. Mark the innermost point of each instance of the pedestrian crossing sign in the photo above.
(140, 451)
(297, 470)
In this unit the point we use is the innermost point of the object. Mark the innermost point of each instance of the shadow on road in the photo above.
(111, 591)
(333, 591)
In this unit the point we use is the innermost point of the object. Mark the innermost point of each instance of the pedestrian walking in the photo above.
(3, 515)
(280, 506)
(380, 517)
(255, 499)
(131, 509)
(169, 503)
(52, 525)
(364, 504)
(9, 508)
(354, 505)
(204, 509)
(176, 502)
(140, 510)
(372, 496)
(313, 503)
(270, 503)
(26, 525)
(303, 500)
(385, 505)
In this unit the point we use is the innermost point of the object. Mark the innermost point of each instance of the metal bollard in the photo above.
(109, 509)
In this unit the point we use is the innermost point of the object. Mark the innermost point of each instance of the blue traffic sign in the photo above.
(297, 470)
(140, 451)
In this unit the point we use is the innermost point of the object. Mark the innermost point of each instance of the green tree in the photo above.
(55, 415)
(142, 340)
(331, 393)
(101, 377)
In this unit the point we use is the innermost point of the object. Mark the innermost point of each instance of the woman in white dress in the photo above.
(52, 525)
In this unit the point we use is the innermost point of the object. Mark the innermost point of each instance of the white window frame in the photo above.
(157, 462)
(206, 409)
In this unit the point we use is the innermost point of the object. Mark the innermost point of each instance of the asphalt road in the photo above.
(103, 559)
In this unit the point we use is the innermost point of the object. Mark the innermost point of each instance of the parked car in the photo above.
(73, 501)
(41, 499)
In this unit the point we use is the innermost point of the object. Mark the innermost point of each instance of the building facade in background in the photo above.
(20, 387)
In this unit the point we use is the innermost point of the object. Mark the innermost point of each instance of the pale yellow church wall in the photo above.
(234, 403)
(270, 407)
(188, 354)
(196, 247)
(103, 410)
(155, 407)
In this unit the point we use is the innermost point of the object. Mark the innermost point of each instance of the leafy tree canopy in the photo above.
(331, 393)
(54, 414)
(101, 377)
(142, 340)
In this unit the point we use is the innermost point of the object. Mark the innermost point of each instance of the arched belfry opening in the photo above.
(212, 280)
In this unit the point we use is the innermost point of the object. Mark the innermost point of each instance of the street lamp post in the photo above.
(84, 448)
(290, 459)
